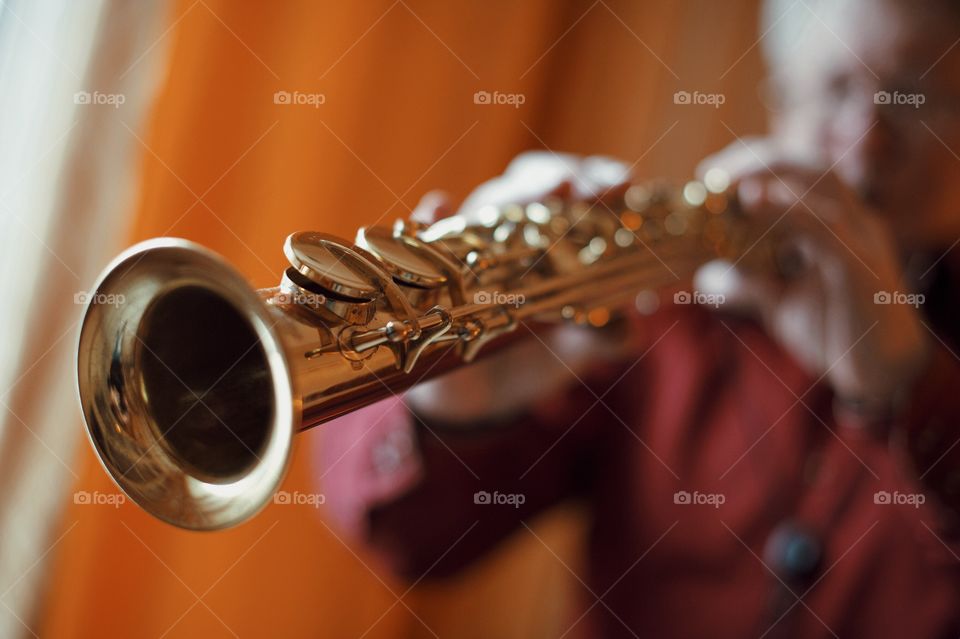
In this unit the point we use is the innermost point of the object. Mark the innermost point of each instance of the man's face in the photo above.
(874, 92)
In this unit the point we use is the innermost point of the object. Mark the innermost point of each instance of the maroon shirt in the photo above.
(724, 484)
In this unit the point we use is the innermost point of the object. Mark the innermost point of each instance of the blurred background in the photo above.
(234, 123)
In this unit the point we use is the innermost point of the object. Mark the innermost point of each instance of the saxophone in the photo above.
(192, 384)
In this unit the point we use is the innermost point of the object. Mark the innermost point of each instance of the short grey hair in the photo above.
(786, 24)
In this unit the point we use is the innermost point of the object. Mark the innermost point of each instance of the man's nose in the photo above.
(863, 140)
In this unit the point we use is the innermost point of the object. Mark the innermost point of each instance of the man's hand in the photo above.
(825, 309)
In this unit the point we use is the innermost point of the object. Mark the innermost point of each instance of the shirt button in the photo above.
(794, 553)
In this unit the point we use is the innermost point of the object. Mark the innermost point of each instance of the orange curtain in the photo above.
(224, 165)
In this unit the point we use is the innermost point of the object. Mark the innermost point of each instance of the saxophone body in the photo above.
(192, 384)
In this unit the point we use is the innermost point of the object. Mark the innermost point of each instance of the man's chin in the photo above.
(911, 236)
(904, 222)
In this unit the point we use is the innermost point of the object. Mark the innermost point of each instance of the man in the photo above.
(785, 465)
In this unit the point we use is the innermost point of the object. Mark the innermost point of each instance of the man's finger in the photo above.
(736, 289)
(433, 206)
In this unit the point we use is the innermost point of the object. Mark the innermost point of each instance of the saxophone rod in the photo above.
(611, 284)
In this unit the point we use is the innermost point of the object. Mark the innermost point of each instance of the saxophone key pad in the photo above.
(406, 258)
(328, 263)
